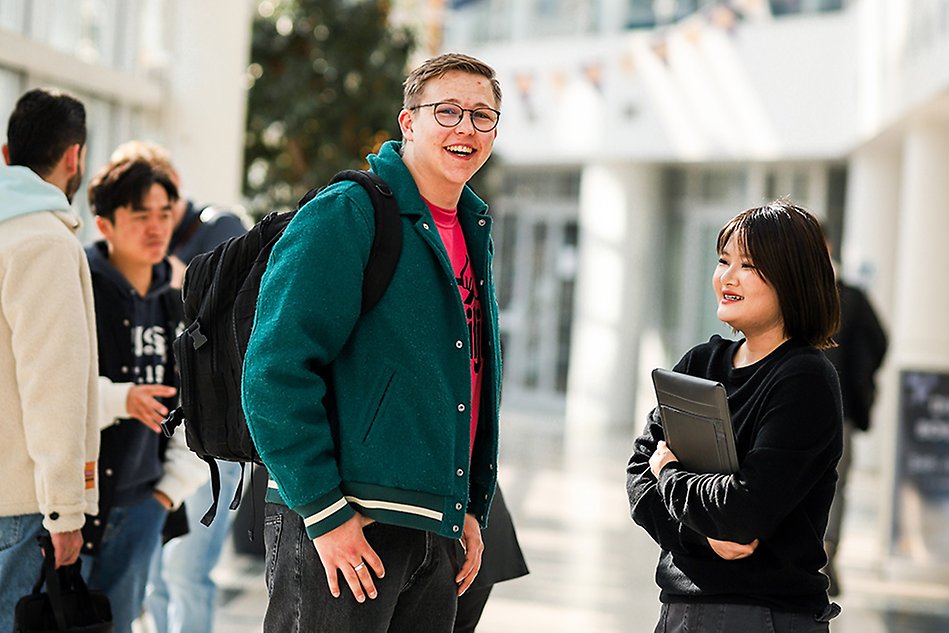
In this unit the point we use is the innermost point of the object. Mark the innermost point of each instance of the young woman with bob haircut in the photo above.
(743, 551)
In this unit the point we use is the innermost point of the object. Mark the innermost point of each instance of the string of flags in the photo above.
(724, 16)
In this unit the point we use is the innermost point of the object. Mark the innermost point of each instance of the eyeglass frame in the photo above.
(471, 112)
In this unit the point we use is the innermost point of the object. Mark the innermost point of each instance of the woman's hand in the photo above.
(732, 551)
(660, 458)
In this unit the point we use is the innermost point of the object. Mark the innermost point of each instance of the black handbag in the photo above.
(67, 606)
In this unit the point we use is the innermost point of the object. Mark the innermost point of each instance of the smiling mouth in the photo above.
(460, 150)
(728, 297)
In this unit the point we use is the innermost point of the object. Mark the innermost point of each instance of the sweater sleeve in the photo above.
(54, 355)
(797, 440)
(646, 504)
(309, 303)
(184, 472)
(113, 401)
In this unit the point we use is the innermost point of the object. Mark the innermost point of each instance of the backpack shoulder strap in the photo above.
(387, 240)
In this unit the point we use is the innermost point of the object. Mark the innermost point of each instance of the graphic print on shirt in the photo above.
(150, 349)
(469, 297)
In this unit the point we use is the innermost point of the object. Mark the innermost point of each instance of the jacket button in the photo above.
(481, 222)
(455, 528)
(425, 225)
(53, 515)
(96, 522)
(481, 283)
(460, 472)
(459, 344)
(457, 506)
(108, 472)
(125, 322)
(125, 369)
(461, 407)
(88, 545)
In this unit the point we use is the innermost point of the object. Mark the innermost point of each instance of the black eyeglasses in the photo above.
(451, 114)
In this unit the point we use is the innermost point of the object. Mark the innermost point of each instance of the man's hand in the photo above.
(660, 458)
(346, 550)
(474, 547)
(142, 404)
(732, 551)
(66, 546)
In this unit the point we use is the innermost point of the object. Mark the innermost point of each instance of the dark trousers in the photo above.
(694, 617)
(470, 607)
(418, 592)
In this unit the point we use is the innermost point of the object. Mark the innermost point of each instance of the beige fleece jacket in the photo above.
(48, 372)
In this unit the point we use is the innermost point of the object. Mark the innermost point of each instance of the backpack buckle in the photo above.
(170, 423)
(197, 338)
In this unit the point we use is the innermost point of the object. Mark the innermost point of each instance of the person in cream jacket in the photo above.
(48, 358)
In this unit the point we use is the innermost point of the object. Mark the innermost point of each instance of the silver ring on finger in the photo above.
(359, 566)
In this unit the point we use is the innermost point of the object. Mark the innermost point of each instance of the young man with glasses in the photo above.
(380, 431)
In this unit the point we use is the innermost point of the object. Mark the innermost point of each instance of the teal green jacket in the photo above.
(371, 413)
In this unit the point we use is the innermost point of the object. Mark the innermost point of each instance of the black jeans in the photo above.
(697, 617)
(418, 592)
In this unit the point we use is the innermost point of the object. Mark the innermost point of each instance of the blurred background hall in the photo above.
(631, 130)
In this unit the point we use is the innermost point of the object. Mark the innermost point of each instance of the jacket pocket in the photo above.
(384, 396)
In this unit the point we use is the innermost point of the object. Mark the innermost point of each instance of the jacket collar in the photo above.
(389, 165)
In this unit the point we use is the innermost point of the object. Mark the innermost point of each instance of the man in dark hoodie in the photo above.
(137, 315)
(181, 591)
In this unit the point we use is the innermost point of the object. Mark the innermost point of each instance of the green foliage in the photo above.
(327, 89)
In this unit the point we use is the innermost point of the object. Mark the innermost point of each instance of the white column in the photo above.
(919, 336)
(922, 290)
(205, 117)
(869, 259)
(618, 269)
(871, 224)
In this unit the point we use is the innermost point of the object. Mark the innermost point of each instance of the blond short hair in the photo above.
(147, 151)
(439, 66)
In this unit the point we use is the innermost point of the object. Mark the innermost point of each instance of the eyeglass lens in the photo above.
(450, 115)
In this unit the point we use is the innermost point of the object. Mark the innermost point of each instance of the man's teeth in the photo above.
(460, 149)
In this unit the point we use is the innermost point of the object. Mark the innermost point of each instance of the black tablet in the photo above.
(696, 422)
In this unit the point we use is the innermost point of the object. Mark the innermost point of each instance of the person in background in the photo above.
(744, 551)
(181, 595)
(380, 431)
(143, 474)
(861, 347)
(197, 229)
(47, 344)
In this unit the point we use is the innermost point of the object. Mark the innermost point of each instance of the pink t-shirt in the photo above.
(454, 239)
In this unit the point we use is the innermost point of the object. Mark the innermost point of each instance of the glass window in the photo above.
(505, 241)
(101, 117)
(640, 14)
(11, 87)
(57, 23)
(800, 185)
(567, 275)
(13, 15)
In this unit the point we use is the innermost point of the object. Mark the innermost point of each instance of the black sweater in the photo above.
(787, 417)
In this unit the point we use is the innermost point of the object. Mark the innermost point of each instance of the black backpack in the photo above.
(220, 299)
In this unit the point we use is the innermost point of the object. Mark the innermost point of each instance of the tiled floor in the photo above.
(592, 567)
